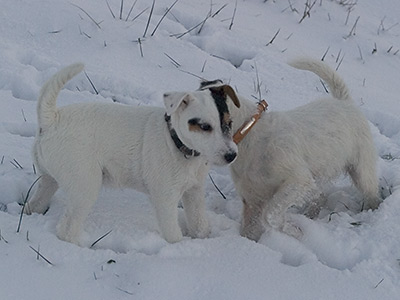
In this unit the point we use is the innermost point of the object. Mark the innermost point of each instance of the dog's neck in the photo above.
(242, 114)
(187, 152)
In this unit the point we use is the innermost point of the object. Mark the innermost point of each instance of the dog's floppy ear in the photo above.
(175, 99)
(228, 91)
(231, 93)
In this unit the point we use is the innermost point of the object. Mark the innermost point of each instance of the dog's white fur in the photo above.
(287, 154)
(81, 146)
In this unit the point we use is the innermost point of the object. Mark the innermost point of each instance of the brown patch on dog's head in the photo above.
(194, 127)
(226, 118)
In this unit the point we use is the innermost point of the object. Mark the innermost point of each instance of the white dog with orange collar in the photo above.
(283, 158)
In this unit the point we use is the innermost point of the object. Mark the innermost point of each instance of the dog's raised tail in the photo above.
(336, 85)
(46, 107)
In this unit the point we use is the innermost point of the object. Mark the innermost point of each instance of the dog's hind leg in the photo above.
(365, 179)
(195, 212)
(40, 201)
(82, 189)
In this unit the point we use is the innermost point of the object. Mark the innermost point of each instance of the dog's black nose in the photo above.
(230, 157)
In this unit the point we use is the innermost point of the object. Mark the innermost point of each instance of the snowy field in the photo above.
(343, 254)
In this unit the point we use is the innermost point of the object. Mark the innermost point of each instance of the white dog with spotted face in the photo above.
(162, 152)
(286, 155)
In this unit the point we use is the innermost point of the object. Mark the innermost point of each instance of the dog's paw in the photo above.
(202, 234)
(292, 230)
(253, 232)
(173, 236)
(27, 209)
(68, 229)
(200, 231)
(31, 208)
(372, 203)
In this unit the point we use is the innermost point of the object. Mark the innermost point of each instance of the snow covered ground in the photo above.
(344, 253)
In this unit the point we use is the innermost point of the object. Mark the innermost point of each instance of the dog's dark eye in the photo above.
(205, 127)
(196, 125)
(194, 122)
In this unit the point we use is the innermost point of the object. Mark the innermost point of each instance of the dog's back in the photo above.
(336, 84)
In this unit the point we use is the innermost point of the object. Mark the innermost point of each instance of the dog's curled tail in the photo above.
(336, 84)
(46, 106)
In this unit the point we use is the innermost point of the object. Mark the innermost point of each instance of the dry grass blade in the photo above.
(178, 36)
(174, 62)
(130, 11)
(375, 49)
(307, 10)
(16, 164)
(273, 38)
(148, 20)
(23, 114)
(24, 203)
(139, 41)
(204, 66)
(194, 75)
(99, 239)
(340, 62)
(41, 256)
(326, 52)
(323, 85)
(233, 17)
(353, 29)
(258, 87)
(293, 9)
(379, 283)
(125, 291)
(93, 20)
(219, 10)
(121, 9)
(162, 18)
(2, 238)
(216, 187)
(338, 56)
(360, 52)
(202, 25)
(91, 83)
(109, 8)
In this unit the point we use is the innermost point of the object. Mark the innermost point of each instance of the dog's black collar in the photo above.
(177, 141)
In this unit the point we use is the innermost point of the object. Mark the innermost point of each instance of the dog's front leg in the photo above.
(292, 192)
(195, 212)
(166, 207)
(252, 225)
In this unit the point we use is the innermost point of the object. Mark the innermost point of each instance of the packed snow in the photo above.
(134, 55)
